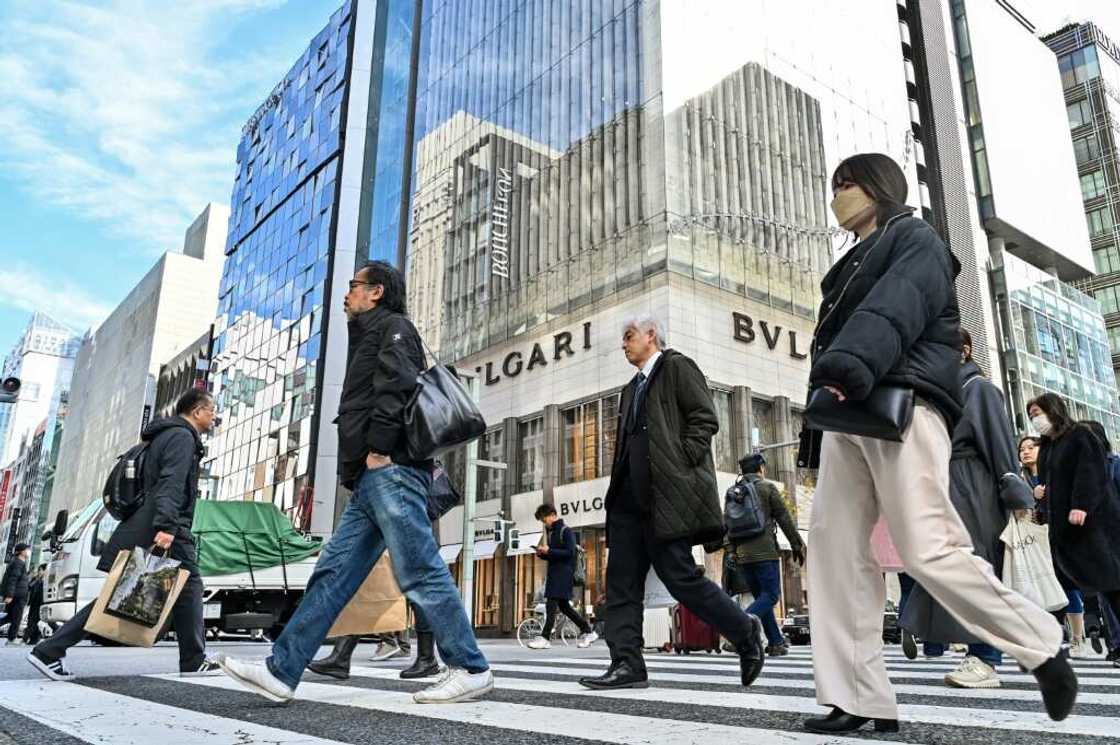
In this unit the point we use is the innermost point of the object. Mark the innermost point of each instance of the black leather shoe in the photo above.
(425, 664)
(337, 663)
(777, 650)
(840, 721)
(752, 653)
(619, 676)
(1058, 684)
(909, 646)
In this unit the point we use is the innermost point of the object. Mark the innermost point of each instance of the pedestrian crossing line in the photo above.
(548, 718)
(778, 668)
(996, 694)
(97, 716)
(954, 657)
(999, 719)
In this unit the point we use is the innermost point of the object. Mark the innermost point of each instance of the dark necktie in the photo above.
(636, 402)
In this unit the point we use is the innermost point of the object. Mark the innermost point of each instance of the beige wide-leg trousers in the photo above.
(908, 482)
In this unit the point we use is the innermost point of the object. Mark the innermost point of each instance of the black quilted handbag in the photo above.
(440, 415)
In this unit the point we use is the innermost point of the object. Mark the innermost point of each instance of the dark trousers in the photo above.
(764, 580)
(564, 606)
(633, 550)
(32, 634)
(186, 616)
(15, 617)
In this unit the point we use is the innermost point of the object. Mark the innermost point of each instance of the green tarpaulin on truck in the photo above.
(234, 536)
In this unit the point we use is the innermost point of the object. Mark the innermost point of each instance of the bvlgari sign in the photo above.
(744, 328)
(499, 224)
(515, 362)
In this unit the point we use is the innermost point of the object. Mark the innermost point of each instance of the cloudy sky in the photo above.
(119, 121)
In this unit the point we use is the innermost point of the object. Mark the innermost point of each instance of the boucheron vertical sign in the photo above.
(499, 225)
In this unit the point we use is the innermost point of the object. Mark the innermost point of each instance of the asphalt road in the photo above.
(134, 696)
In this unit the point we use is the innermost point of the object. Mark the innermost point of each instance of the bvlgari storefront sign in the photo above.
(499, 224)
(518, 361)
(746, 330)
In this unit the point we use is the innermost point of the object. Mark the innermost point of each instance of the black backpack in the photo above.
(742, 512)
(123, 494)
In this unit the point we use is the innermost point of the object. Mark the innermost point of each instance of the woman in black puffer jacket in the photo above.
(889, 317)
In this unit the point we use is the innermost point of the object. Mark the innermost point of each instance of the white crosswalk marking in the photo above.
(693, 700)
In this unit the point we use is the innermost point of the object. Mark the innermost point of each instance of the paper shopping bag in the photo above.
(141, 592)
(378, 607)
(1028, 567)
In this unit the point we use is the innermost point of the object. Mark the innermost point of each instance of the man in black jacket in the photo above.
(663, 500)
(164, 520)
(387, 510)
(31, 634)
(14, 588)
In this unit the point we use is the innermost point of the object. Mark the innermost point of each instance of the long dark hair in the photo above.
(880, 177)
(1019, 451)
(392, 285)
(1098, 429)
(1055, 410)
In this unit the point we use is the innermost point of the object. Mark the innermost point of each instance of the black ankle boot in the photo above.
(337, 663)
(425, 664)
(1058, 684)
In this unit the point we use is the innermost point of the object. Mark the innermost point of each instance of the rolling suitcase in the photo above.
(690, 634)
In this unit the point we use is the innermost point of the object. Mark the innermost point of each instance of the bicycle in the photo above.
(533, 626)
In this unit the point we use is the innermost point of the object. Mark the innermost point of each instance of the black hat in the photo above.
(21, 547)
(752, 463)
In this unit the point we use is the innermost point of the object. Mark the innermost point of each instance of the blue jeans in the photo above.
(387, 511)
(765, 585)
(986, 652)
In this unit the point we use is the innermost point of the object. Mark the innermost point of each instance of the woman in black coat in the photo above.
(888, 328)
(559, 549)
(1084, 517)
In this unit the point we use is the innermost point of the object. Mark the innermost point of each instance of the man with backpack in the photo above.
(164, 510)
(565, 559)
(388, 509)
(753, 507)
(662, 500)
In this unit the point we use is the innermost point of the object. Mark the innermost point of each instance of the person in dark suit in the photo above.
(558, 547)
(662, 500)
(31, 634)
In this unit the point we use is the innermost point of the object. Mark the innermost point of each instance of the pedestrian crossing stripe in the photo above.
(1095, 726)
(1000, 694)
(97, 716)
(548, 718)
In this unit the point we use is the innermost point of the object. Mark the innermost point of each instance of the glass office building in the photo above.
(575, 164)
(317, 193)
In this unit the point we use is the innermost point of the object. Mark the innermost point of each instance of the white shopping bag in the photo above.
(1028, 567)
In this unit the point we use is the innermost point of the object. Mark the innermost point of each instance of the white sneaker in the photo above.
(54, 670)
(387, 651)
(1077, 650)
(456, 685)
(257, 678)
(540, 643)
(207, 669)
(973, 673)
(587, 640)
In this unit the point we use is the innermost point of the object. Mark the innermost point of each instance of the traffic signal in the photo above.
(513, 540)
(9, 390)
(499, 530)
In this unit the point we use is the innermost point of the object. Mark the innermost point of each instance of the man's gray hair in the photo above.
(644, 322)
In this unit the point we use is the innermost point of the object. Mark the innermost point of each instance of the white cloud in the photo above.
(128, 111)
(24, 289)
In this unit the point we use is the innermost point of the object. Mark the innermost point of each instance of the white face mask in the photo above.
(1042, 424)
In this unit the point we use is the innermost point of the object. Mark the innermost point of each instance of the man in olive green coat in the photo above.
(757, 558)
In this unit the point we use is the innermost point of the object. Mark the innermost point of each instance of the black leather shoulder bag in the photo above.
(441, 414)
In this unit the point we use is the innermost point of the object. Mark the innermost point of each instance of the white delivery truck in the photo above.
(254, 564)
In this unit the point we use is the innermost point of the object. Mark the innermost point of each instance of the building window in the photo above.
(531, 435)
(491, 481)
(724, 442)
(1109, 299)
(1080, 113)
(1080, 66)
(1092, 185)
(1114, 339)
(609, 431)
(589, 436)
(1086, 148)
(1107, 259)
(1100, 220)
